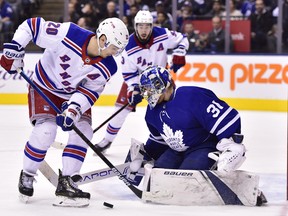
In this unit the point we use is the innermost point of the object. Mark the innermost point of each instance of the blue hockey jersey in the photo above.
(192, 116)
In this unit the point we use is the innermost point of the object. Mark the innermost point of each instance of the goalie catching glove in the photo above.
(71, 114)
(12, 58)
(178, 58)
(231, 155)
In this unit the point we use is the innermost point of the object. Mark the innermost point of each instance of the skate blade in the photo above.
(23, 198)
(62, 201)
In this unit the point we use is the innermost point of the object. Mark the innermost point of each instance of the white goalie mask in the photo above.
(116, 33)
(153, 83)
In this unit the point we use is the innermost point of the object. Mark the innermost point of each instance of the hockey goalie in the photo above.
(195, 145)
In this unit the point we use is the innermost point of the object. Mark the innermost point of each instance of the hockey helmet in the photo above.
(116, 33)
(153, 82)
(143, 16)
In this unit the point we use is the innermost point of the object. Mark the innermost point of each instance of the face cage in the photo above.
(152, 91)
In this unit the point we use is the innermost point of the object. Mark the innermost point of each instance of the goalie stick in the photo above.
(88, 177)
(134, 189)
(59, 145)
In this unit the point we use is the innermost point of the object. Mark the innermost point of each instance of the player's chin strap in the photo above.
(135, 190)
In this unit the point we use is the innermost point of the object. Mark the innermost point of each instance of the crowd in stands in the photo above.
(261, 14)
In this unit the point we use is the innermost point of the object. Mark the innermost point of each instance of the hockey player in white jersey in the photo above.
(72, 73)
(147, 46)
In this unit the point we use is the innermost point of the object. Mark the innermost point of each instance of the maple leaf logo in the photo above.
(174, 140)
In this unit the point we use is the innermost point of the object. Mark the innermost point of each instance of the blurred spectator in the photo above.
(217, 9)
(6, 21)
(234, 13)
(248, 7)
(111, 10)
(163, 20)
(186, 13)
(91, 19)
(159, 7)
(84, 22)
(100, 8)
(192, 36)
(73, 16)
(133, 11)
(128, 24)
(272, 40)
(261, 24)
(216, 37)
(202, 44)
(201, 7)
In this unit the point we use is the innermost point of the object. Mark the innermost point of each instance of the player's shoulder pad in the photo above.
(158, 31)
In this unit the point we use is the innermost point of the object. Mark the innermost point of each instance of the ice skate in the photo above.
(25, 186)
(103, 145)
(68, 194)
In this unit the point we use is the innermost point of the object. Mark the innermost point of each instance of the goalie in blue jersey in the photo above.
(190, 129)
(186, 125)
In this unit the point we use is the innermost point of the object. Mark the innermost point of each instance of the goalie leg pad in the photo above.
(194, 187)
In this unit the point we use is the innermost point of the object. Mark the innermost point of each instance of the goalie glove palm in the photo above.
(69, 116)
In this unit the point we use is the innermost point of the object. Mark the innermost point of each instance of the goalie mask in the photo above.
(116, 34)
(153, 83)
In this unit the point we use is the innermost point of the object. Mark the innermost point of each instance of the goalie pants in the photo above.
(192, 159)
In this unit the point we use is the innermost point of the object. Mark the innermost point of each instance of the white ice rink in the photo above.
(265, 138)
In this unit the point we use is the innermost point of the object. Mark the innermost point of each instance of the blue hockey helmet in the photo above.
(154, 80)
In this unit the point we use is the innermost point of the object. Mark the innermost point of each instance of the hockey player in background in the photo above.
(147, 46)
(190, 127)
(72, 73)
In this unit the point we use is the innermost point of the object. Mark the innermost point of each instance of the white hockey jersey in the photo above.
(137, 57)
(65, 69)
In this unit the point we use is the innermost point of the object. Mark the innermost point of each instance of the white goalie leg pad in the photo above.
(195, 187)
(62, 201)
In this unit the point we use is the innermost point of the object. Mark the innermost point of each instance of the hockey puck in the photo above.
(108, 205)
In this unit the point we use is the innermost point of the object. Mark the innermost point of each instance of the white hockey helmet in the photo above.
(143, 16)
(115, 31)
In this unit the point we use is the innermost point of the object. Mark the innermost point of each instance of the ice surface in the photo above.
(265, 138)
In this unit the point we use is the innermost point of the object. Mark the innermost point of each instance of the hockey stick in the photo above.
(135, 190)
(88, 177)
(59, 145)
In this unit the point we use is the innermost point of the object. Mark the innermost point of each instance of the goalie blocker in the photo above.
(201, 187)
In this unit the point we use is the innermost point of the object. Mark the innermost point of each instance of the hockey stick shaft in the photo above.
(88, 177)
(59, 145)
(112, 116)
(135, 190)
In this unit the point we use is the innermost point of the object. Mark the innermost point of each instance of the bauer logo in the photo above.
(178, 173)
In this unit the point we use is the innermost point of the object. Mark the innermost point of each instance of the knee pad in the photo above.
(43, 134)
(75, 139)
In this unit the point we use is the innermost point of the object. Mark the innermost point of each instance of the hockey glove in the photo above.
(71, 114)
(134, 96)
(12, 58)
(232, 153)
(178, 58)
